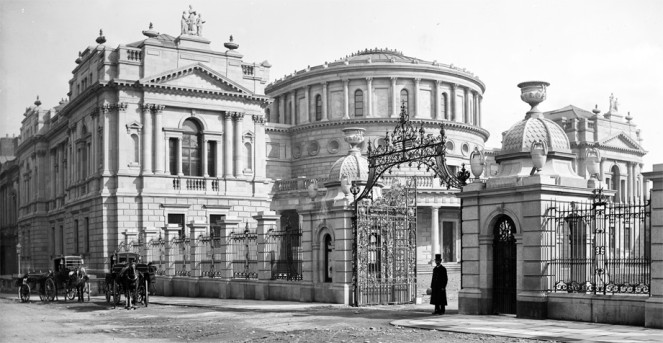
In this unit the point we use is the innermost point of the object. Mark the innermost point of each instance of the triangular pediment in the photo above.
(196, 77)
(621, 141)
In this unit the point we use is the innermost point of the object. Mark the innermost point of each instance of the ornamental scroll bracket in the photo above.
(409, 145)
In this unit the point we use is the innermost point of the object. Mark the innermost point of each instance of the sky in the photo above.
(586, 50)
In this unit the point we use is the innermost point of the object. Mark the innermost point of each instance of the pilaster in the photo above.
(228, 146)
(369, 90)
(346, 99)
(415, 102)
(147, 139)
(324, 101)
(159, 151)
(238, 119)
(266, 221)
(395, 107)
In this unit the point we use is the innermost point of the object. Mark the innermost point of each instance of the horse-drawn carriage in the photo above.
(128, 276)
(67, 276)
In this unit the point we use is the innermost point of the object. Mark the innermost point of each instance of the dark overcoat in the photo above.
(438, 285)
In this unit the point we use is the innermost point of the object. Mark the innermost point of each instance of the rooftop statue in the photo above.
(193, 23)
(614, 104)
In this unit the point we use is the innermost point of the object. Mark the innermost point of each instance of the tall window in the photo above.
(318, 107)
(191, 148)
(172, 155)
(359, 103)
(405, 100)
(87, 234)
(211, 152)
(248, 153)
(136, 142)
(76, 236)
(289, 117)
(443, 106)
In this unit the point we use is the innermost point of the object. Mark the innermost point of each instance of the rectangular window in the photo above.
(448, 242)
(215, 221)
(211, 153)
(87, 234)
(172, 155)
(76, 236)
(177, 218)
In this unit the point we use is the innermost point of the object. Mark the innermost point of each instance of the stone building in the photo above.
(367, 90)
(8, 209)
(162, 132)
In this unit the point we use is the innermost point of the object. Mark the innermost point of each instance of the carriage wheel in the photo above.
(86, 290)
(49, 289)
(146, 294)
(24, 293)
(116, 293)
(108, 290)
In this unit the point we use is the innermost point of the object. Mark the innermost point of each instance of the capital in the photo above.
(237, 116)
(369, 79)
(258, 119)
(227, 115)
(417, 79)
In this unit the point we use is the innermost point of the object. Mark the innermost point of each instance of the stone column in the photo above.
(259, 158)
(479, 99)
(106, 132)
(167, 156)
(218, 168)
(454, 103)
(293, 115)
(438, 100)
(435, 231)
(395, 104)
(324, 102)
(474, 108)
(228, 226)
(179, 157)
(266, 221)
(159, 150)
(196, 230)
(369, 90)
(228, 145)
(468, 103)
(415, 101)
(654, 304)
(94, 165)
(282, 108)
(170, 231)
(205, 152)
(239, 147)
(346, 98)
(147, 139)
(307, 105)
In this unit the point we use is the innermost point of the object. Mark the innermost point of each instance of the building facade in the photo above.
(160, 132)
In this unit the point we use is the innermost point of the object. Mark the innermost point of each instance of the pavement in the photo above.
(496, 325)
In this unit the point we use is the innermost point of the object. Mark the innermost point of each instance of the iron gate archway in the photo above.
(384, 229)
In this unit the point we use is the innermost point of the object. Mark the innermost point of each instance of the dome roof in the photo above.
(382, 55)
(353, 165)
(520, 136)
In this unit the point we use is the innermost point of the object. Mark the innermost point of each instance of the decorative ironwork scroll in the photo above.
(411, 146)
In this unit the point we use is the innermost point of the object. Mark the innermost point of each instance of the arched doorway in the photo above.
(504, 266)
(328, 248)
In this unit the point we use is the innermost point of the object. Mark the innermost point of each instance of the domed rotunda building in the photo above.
(366, 90)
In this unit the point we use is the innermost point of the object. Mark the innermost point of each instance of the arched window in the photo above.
(268, 113)
(615, 183)
(359, 103)
(136, 147)
(248, 153)
(191, 148)
(405, 101)
(318, 107)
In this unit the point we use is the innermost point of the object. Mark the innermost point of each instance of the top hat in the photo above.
(438, 257)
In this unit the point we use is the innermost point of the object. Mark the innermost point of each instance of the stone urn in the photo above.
(477, 162)
(533, 93)
(354, 136)
(539, 154)
(592, 158)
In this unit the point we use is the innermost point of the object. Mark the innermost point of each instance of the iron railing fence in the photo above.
(179, 254)
(244, 254)
(284, 250)
(156, 254)
(598, 247)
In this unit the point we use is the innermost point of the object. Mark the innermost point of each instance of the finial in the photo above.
(79, 59)
(230, 45)
(628, 117)
(596, 110)
(101, 39)
(150, 33)
(37, 102)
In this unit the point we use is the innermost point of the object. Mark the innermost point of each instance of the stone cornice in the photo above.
(187, 90)
(448, 125)
(337, 71)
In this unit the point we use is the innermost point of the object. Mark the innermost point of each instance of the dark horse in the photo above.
(130, 279)
(77, 279)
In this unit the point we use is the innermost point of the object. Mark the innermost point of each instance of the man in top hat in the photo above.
(438, 286)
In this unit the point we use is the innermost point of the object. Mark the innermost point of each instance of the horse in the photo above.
(130, 278)
(77, 279)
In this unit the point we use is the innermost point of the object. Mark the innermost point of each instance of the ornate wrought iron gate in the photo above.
(504, 267)
(386, 247)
